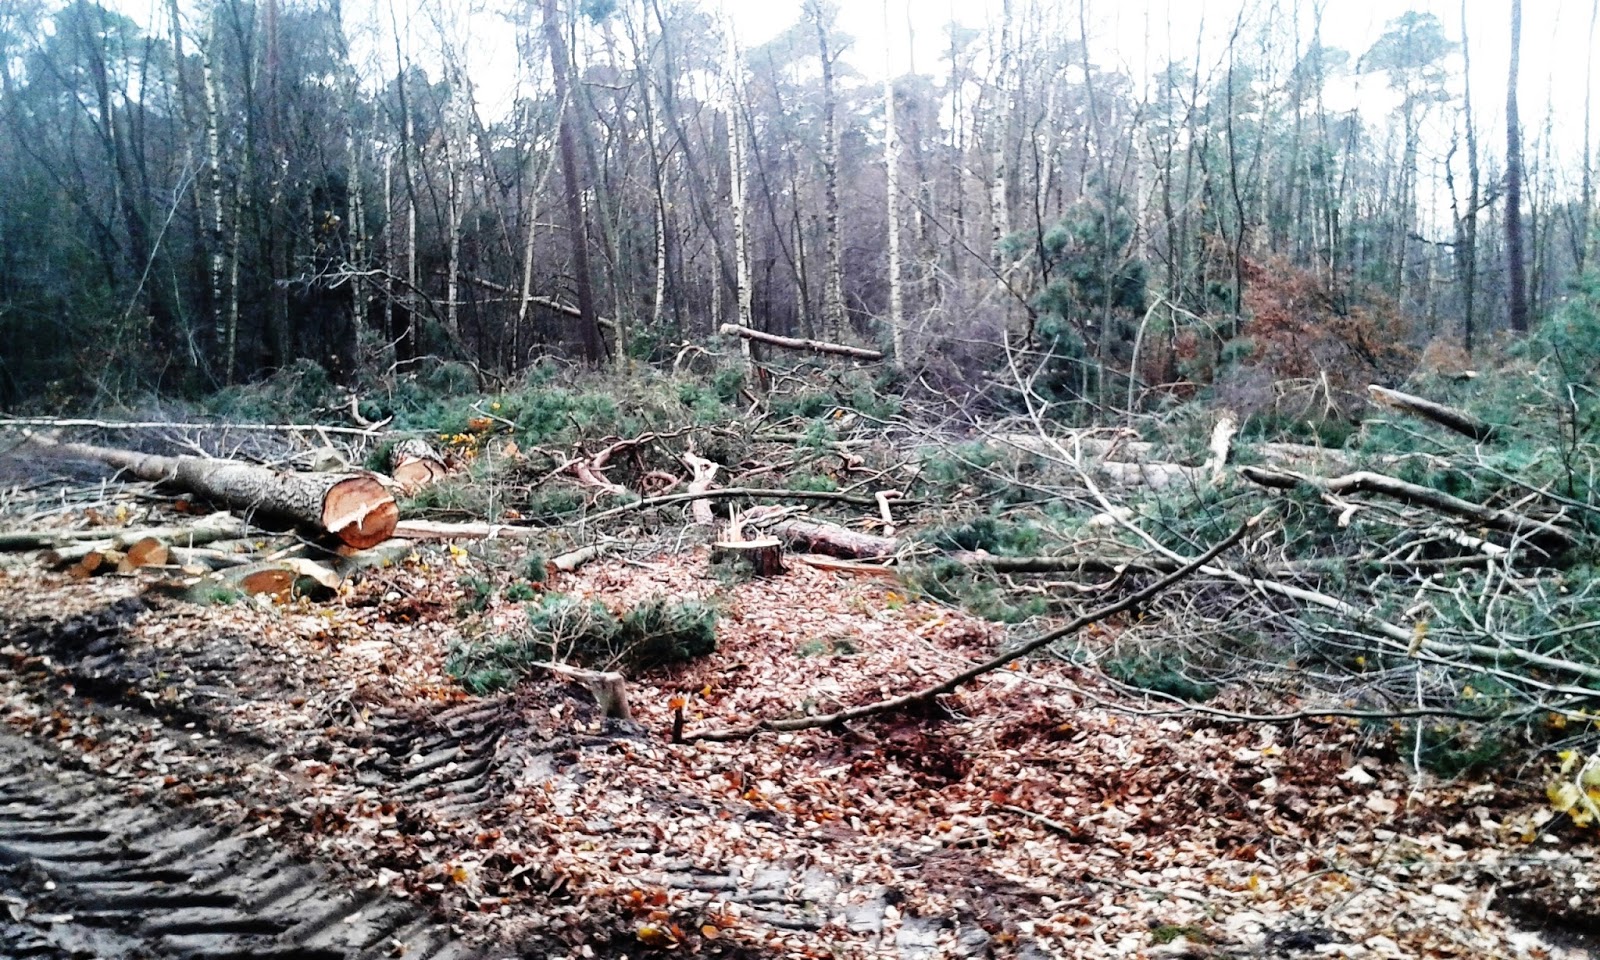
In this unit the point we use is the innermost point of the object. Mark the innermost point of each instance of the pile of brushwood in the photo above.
(1422, 560)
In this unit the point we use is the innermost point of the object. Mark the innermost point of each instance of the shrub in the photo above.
(563, 628)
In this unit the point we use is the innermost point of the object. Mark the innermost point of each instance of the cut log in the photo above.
(415, 464)
(218, 526)
(833, 540)
(795, 343)
(353, 507)
(1448, 417)
(763, 557)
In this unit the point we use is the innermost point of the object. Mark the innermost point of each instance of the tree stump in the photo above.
(762, 557)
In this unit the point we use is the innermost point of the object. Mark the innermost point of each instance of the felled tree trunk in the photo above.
(833, 540)
(1448, 417)
(794, 343)
(353, 507)
(414, 464)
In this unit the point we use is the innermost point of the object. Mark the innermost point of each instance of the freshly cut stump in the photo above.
(764, 557)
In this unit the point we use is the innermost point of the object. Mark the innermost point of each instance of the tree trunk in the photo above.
(589, 327)
(355, 508)
(833, 313)
(1515, 258)
(1467, 240)
(891, 162)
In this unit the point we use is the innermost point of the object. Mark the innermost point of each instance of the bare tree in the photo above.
(1515, 260)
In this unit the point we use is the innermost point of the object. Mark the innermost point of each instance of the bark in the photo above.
(891, 162)
(570, 561)
(833, 312)
(1516, 263)
(353, 507)
(794, 343)
(833, 540)
(1467, 239)
(589, 327)
(1449, 417)
(763, 556)
(736, 181)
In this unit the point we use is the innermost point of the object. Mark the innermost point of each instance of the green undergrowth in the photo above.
(566, 629)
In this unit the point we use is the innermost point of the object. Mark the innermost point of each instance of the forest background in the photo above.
(218, 192)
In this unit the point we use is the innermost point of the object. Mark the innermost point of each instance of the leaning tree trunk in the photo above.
(354, 507)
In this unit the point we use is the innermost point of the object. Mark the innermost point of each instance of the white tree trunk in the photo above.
(891, 162)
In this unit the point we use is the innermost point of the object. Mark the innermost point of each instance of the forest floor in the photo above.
(1035, 813)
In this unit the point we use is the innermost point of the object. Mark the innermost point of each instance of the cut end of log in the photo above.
(413, 475)
(360, 512)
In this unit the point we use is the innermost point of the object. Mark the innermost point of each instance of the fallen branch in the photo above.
(727, 493)
(951, 683)
(1366, 482)
(221, 525)
(432, 530)
(1449, 417)
(570, 561)
(795, 343)
(353, 507)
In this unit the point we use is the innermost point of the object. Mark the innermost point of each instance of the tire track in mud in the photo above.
(83, 873)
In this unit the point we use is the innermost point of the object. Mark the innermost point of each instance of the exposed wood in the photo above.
(836, 565)
(833, 540)
(1221, 446)
(415, 464)
(1449, 417)
(705, 474)
(353, 507)
(1539, 531)
(431, 530)
(796, 343)
(218, 526)
(762, 556)
(952, 683)
(609, 688)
